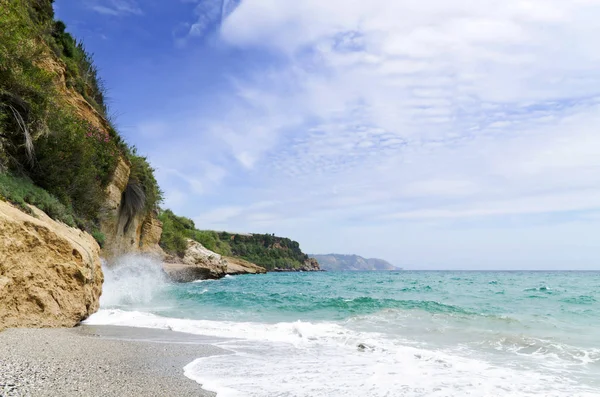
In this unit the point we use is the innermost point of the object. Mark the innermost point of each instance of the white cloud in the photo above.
(209, 14)
(115, 7)
(393, 111)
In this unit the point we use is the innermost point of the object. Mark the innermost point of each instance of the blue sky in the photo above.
(433, 134)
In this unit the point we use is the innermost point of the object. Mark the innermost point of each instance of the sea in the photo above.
(375, 334)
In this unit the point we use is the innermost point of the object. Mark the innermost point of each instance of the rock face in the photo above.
(142, 236)
(50, 274)
(241, 266)
(200, 263)
(309, 265)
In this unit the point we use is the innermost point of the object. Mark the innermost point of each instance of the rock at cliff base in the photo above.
(50, 274)
(200, 263)
(237, 266)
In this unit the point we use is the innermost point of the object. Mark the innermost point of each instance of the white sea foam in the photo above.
(302, 359)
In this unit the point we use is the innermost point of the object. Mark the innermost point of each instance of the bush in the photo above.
(143, 175)
(176, 231)
(99, 237)
(75, 163)
(82, 73)
(21, 191)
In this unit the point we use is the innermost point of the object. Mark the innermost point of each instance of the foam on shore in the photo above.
(303, 359)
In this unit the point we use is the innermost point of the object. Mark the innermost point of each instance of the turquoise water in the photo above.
(403, 333)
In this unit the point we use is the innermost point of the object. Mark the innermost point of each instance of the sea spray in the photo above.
(132, 280)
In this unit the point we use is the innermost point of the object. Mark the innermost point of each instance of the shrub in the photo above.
(176, 231)
(99, 237)
(75, 162)
(142, 174)
(21, 191)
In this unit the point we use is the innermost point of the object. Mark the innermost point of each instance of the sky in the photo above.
(435, 134)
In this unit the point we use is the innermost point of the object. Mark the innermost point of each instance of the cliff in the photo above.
(265, 250)
(141, 235)
(50, 274)
(76, 153)
(60, 152)
(337, 262)
(143, 232)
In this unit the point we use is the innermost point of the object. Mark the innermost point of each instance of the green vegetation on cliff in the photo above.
(265, 250)
(47, 137)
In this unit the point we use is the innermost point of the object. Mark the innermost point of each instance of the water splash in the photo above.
(132, 280)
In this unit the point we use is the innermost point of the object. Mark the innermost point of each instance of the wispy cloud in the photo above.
(115, 7)
(209, 15)
(371, 90)
(389, 112)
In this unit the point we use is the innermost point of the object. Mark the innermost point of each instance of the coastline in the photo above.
(100, 361)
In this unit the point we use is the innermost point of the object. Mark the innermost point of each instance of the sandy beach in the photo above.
(99, 361)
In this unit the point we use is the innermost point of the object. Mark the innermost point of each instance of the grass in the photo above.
(22, 191)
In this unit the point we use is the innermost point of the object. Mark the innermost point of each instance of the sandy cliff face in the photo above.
(144, 233)
(200, 263)
(50, 274)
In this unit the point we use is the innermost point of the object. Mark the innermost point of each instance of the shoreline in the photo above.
(101, 360)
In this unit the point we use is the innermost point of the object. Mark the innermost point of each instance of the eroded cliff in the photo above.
(141, 234)
(50, 274)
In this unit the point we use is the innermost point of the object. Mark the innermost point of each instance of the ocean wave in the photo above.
(543, 288)
(580, 300)
(304, 359)
(294, 303)
(545, 349)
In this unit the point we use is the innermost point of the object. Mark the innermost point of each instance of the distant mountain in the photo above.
(337, 262)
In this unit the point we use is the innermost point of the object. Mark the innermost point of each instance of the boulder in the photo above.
(241, 266)
(200, 263)
(50, 273)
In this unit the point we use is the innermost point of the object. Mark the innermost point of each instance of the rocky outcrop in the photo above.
(50, 274)
(150, 234)
(240, 266)
(142, 235)
(200, 263)
(309, 265)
